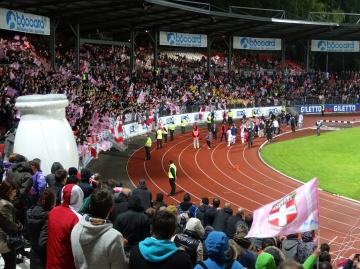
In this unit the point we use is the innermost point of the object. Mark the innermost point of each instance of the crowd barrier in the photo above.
(135, 129)
(333, 108)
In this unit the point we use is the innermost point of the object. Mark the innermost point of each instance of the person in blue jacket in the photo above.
(219, 253)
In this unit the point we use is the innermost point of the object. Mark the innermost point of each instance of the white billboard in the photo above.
(24, 22)
(253, 43)
(182, 40)
(334, 46)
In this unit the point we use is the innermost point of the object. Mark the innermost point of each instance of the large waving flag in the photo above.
(295, 213)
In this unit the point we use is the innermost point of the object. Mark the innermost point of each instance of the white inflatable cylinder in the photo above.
(44, 132)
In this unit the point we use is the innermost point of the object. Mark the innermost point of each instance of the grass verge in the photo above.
(332, 157)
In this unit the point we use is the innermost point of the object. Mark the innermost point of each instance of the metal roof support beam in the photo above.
(77, 46)
(208, 53)
(103, 42)
(307, 54)
(156, 50)
(132, 37)
(283, 56)
(52, 41)
(230, 53)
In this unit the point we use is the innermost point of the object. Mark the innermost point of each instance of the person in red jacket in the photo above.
(61, 221)
(195, 135)
(223, 132)
(224, 117)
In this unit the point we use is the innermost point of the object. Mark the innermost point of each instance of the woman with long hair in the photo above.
(8, 222)
(36, 224)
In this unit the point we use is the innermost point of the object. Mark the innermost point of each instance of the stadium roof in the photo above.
(115, 17)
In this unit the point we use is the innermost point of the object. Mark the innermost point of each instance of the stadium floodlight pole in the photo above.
(327, 61)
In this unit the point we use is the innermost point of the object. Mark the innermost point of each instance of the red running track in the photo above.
(211, 173)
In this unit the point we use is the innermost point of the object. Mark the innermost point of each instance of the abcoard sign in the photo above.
(24, 22)
(334, 46)
(182, 39)
(254, 43)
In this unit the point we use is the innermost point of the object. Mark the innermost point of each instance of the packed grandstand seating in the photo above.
(105, 86)
(114, 89)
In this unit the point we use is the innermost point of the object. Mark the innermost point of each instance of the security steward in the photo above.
(322, 110)
(283, 109)
(172, 177)
(230, 117)
(208, 121)
(148, 148)
(183, 124)
(165, 132)
(159, 137)
(254, 114)
(172, 129)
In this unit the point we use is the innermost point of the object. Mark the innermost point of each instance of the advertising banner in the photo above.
(24, 22)
(253, 43)
(316, 109)
(182, 39)
(334, 46)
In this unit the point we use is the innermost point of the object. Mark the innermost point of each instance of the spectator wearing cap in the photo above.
(74, 172)
(87, 189)
(144, 194)
(50, 178)
(133, 224)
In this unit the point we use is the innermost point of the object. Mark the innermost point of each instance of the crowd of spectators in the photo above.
(75, 220)
(105, 86)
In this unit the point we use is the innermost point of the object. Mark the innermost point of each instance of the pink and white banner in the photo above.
(295, 213)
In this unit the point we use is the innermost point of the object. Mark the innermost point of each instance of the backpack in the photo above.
(229, 264)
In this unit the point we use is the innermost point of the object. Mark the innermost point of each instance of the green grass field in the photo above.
(333, 157)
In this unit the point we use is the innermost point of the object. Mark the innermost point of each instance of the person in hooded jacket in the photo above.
(144, 194)
(207, 230)
(306, 246)
(61, 220)
(275, 252)
(245, 250)
(219, 253)
(133, 224)
(37, 227)
(187, 208)
(158, 251)
(289, 246)
(87, 189)
(265, 261)
(93, 240)
(21, 175)
(50, 178)
(190, 239)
